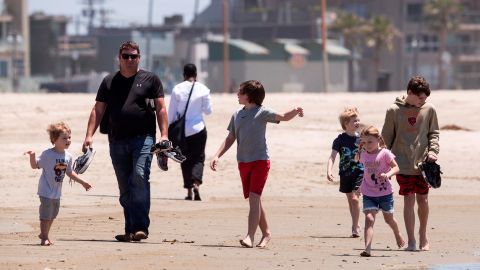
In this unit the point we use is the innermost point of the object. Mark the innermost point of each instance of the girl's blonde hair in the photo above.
(346, 115)
(369, 131)
(54, 130)
(373, 131)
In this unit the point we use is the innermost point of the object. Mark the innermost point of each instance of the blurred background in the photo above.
(290, 45)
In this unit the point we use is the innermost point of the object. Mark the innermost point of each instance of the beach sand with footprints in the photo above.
(309, 218)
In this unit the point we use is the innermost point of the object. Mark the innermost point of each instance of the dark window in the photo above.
(3, 69)
(358, 9)
(421, 42)
(414, 12)
(251, 4)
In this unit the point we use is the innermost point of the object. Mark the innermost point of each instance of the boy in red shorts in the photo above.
(411, 132)
(248, 126)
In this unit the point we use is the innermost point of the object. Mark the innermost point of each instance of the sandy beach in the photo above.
(308, 216)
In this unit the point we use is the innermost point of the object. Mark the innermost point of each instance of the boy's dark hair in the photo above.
(189, 70)
(129, 45)
(254, 91)
(418, 85)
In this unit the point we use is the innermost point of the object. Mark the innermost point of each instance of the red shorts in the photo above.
(411, 184)
(254, 176)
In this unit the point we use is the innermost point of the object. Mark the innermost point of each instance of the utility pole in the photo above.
(14, 67)
(195, 13)
(326, 71)
(226, 52)
(149, 36)
(90, 12)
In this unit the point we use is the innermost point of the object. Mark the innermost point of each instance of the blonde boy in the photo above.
(55, 163)
(350, 171)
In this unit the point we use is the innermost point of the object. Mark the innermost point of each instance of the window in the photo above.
(358, 9)
(3, 69)
(414, 12)
(421, 42)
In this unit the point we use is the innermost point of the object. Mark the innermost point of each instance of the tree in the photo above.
(443, 17)
(380, 33)
(352, 28)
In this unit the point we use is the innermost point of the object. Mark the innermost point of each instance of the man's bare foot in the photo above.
(425, 247)
(264, 241)
(46, 242)
(411, 247)
(400, 240)
(247, 242)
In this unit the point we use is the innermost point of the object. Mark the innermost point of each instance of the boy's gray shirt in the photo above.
(54, 165)
(249, 127)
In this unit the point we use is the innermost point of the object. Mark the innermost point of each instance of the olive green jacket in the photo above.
(411, 133)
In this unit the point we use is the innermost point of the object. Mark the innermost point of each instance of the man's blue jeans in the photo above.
(131, 159)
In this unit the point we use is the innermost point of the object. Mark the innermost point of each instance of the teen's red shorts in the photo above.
(254, 176)
(411, 184)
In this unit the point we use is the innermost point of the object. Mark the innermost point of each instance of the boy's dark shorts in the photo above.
(412, 184)
(350, 183)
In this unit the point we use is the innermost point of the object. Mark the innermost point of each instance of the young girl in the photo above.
(350, 171)
(55, 163)
(379, 166)
(248, 126)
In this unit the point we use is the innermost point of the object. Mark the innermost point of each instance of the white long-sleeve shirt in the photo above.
(200, 103)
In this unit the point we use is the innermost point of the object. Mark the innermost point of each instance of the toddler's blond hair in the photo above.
(54, 130)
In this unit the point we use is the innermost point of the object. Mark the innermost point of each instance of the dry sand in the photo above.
(308, 216)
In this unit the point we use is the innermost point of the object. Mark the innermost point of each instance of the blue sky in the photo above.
(123, 12)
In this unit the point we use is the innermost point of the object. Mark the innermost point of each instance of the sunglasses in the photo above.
(125, 56)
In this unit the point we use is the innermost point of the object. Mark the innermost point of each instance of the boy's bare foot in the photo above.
(355, 232)
(365, 254)
(264, 241)
(411, 247)
(425, 246)
(246, 242)
(46, 242)
(400, 240)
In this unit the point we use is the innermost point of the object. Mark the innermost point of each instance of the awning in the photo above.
(292, 47)
(334, 48)
(245, 45)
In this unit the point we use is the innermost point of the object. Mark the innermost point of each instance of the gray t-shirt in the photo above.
(54, 165)
(249, 127)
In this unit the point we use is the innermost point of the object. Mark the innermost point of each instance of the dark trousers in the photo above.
(131, 159)
(192, 168)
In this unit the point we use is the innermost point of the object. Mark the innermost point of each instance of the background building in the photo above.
(276, 25)
(14, 45)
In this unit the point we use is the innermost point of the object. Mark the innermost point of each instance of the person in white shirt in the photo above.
(195, 129)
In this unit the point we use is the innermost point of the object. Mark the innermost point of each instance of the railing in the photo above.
(465, 49)
(471, 17)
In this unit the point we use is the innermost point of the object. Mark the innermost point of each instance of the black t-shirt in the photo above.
(347, 147)
(127, 102)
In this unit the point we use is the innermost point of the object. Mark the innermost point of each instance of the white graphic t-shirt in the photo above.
(54, 166)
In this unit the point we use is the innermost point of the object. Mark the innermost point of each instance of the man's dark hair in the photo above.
(129, 45)
(189, 70)
(418, 85)
(254, 91)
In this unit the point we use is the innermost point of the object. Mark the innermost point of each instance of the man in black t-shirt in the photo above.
(126, 95)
